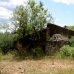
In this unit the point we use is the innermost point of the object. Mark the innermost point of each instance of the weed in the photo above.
(66, 51)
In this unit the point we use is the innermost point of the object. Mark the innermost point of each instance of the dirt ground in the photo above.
(45, 66)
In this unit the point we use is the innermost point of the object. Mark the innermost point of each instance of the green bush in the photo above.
(6, 42)
(37, 52)
(0, 55)
(19, 54)
(71, 40)
(66, 51)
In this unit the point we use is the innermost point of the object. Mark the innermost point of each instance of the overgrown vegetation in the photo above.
(0, 54)
(66, 52)
(71, 40)
(70, 27)
(6, 42)
(26, 19)
(30, 18)
(35, 53)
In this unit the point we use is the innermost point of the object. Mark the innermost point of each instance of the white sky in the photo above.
(65, 1)
(6, 8)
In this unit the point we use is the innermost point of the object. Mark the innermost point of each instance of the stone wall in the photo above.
(55, 29)
(53, 46)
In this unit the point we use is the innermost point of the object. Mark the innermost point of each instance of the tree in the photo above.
(4, 27)
(70, 27)
(6, 42)
(30, 17)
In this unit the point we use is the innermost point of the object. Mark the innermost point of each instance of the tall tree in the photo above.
(4, 27)
(30, 17)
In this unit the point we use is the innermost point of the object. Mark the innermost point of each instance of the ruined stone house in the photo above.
(50, 39)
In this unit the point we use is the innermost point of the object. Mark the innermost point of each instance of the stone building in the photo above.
(51, 39)
(56, 37)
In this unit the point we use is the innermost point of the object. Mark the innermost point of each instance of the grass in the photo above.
(8, 56)
(66, 71)
(3, 72)
(43, 66)
(65, 52)
(46, 65)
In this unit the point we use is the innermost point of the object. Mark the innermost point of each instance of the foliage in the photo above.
(19, 54)
(71, 40)
(29, 18)
(66, 51)
(70, 27)
(4, 27)
(0, 55)
(6, 42)
(35, 53)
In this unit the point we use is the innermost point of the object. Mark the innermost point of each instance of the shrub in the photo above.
(6, 42)
(19, 54)
(66, 51)
(72, 41)
(37, 52)
(0, 55)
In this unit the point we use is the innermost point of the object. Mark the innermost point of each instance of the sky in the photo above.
(61, 10)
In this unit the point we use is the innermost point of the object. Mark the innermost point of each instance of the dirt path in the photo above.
(34, 66)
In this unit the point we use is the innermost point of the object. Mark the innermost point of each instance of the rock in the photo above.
(19, 68)
(58, 37)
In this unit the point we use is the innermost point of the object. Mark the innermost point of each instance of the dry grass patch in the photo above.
(47, 65)
(44, 66)
(65, 71)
